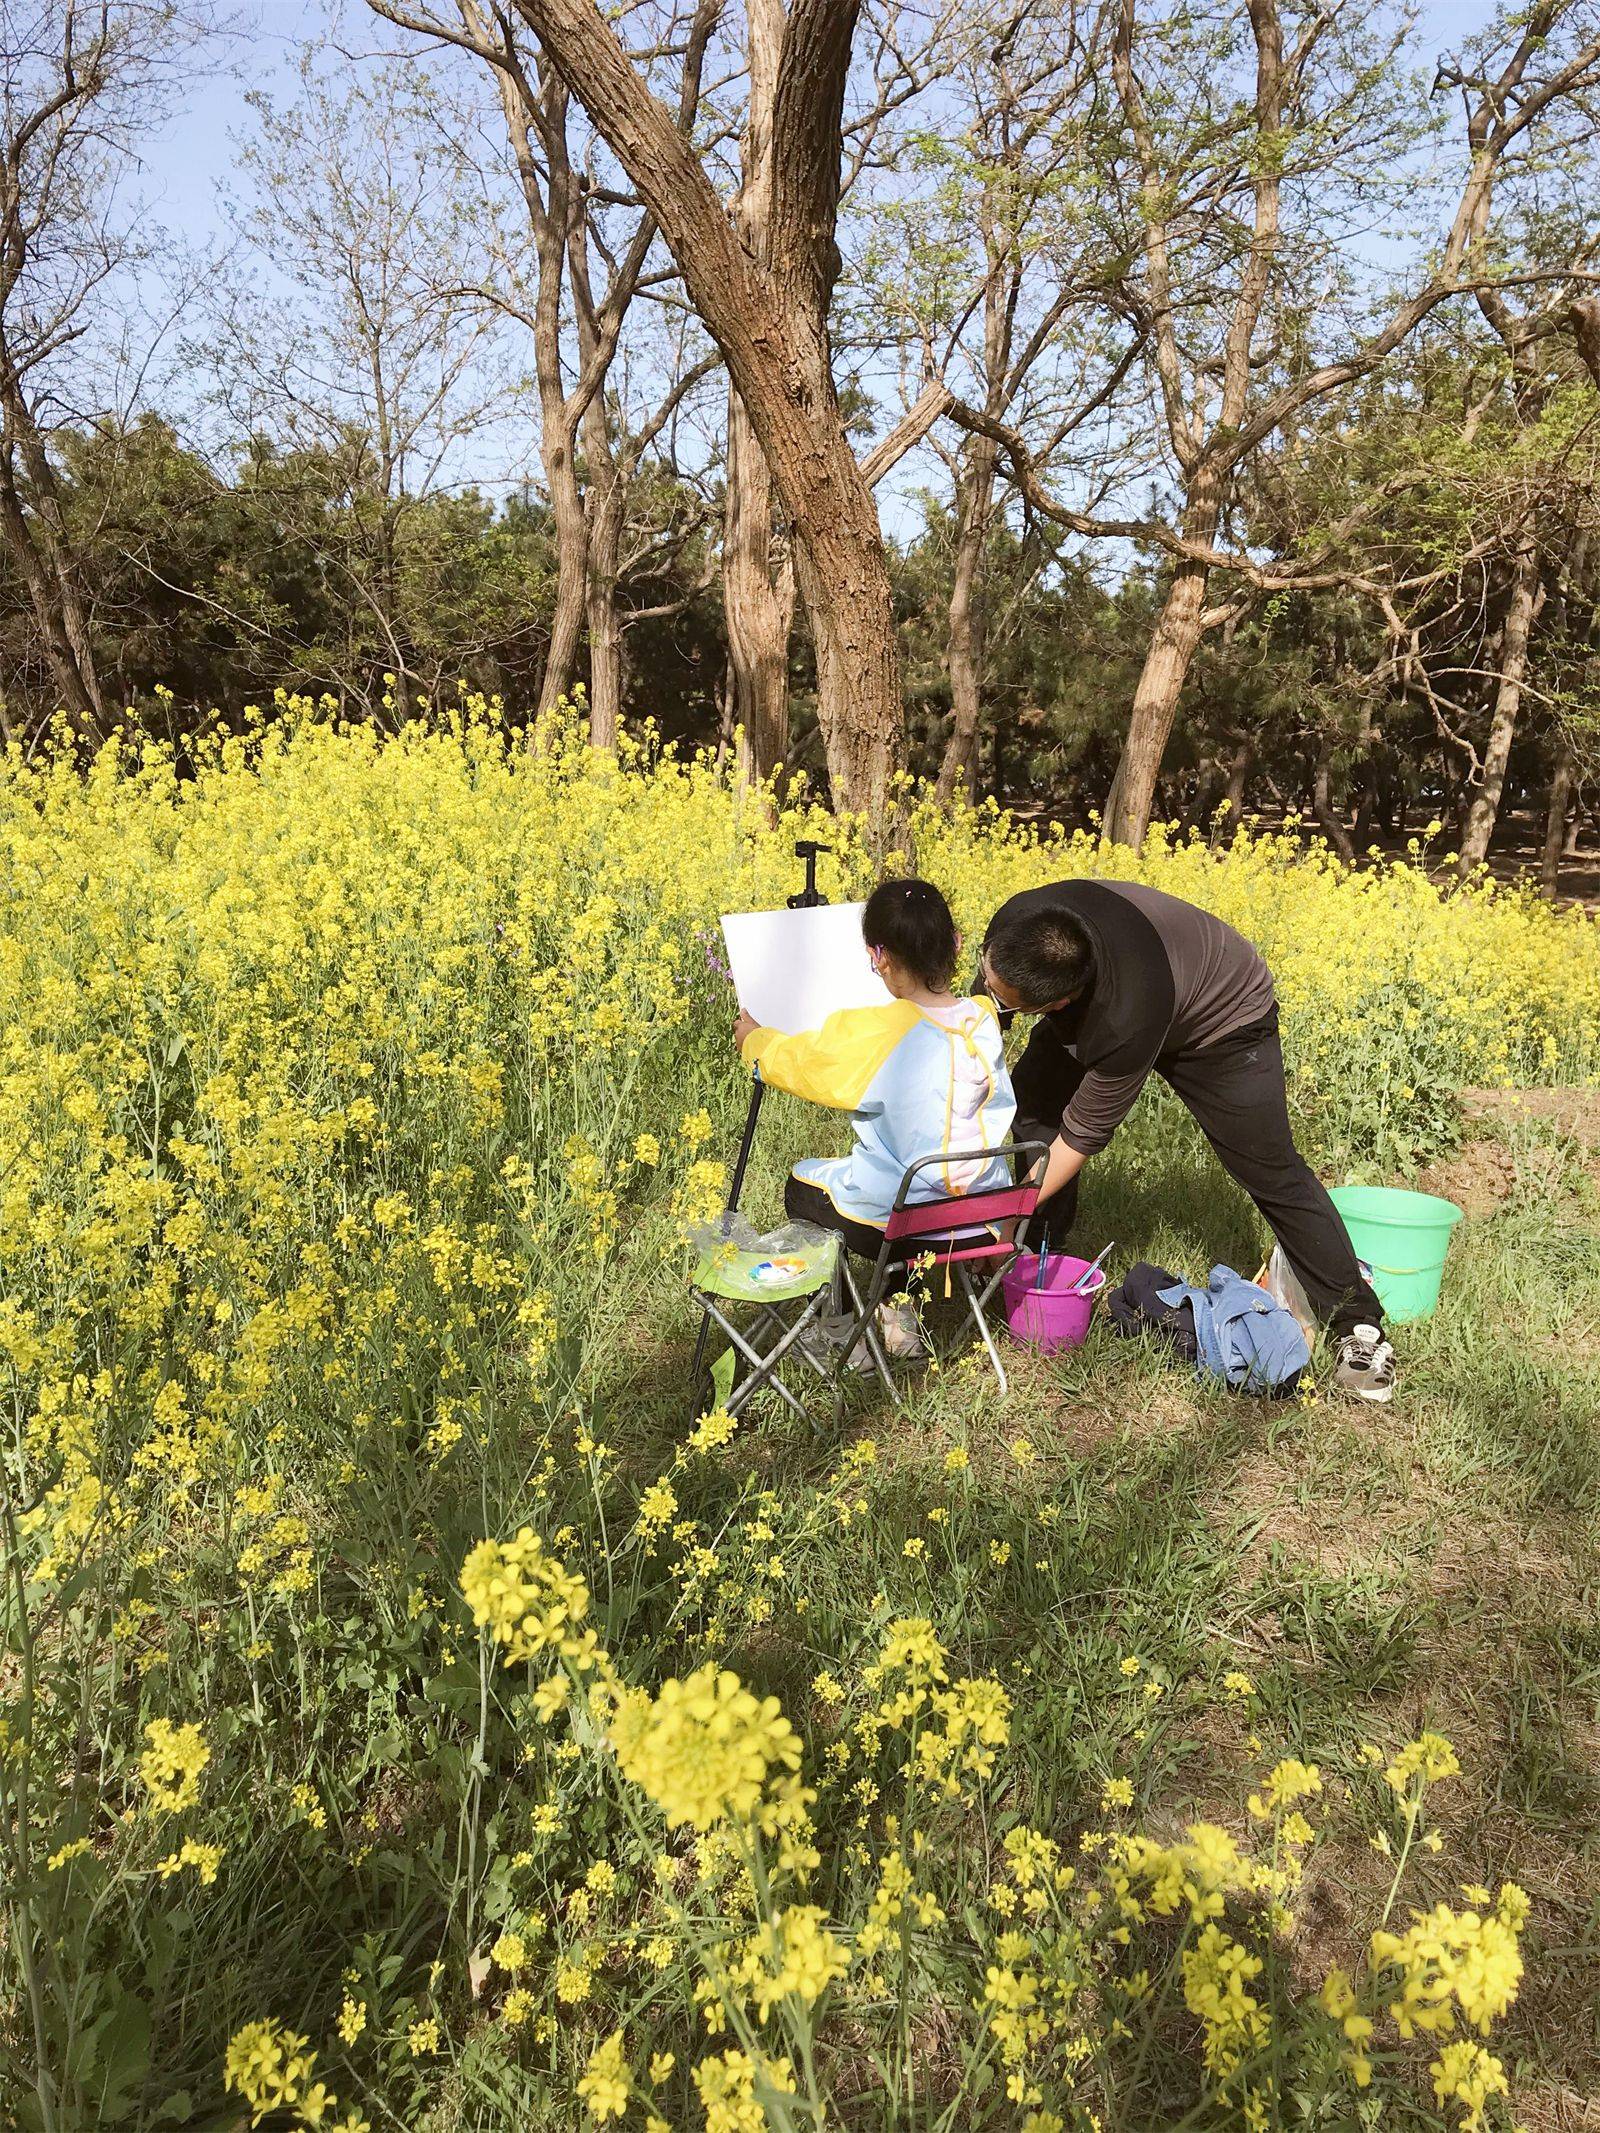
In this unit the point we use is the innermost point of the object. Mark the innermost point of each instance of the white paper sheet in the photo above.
(792, 969)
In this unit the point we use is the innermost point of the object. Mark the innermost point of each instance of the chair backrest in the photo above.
(969, 1210)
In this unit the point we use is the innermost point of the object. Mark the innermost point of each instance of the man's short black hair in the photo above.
(1044, 956)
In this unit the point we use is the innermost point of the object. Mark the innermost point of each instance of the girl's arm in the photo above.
(834, 1065)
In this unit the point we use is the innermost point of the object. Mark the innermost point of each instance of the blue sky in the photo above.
(192, 157)
(187, 165)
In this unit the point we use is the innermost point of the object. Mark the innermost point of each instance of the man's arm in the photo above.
(1061, 1167)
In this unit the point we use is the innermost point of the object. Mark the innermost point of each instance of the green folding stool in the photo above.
(763, 1292)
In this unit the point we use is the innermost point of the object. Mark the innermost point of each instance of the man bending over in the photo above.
(1126, 981)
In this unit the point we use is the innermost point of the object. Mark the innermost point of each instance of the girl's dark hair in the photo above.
(911, 921)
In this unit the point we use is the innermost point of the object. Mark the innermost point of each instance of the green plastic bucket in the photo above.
(1403, 1237)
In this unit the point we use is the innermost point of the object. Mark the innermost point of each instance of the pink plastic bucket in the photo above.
(1048, 1317)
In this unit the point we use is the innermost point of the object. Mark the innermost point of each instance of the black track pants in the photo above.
(805, 1202)
(1235, 1092)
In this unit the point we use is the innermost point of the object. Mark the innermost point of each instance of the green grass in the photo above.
(1375, 1571)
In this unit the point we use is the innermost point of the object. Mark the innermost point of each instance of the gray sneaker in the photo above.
(1364, 1366)
(900, 1331)
(823, 1340)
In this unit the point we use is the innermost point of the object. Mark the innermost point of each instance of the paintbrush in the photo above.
(1080, 1286)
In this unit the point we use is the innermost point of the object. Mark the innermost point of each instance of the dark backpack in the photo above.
(1135, 1307)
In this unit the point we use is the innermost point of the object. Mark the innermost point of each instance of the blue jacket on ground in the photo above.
(1246, 1338)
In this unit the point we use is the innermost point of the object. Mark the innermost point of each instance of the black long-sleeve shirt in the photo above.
(1168, 978)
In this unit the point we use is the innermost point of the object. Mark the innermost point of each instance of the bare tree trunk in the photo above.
(769, 321)
(1507, 702)
(608, 496)
(64, 642)
(1239, 768)
(844, 579)
(758, 603)
(1325, 814)
(964, 648)
(1555, 819)
(53, 539)
(1155, 701)
(725, 718)
(566, 623)
(557, 443)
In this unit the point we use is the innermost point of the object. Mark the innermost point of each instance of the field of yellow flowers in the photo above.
(411, 1717)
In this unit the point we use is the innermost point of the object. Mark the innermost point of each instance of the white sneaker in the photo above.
(1365, 1366)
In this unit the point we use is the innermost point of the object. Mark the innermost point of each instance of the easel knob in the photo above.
(810, 896)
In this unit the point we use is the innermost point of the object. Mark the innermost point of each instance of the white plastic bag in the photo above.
(1282, 1284)
(733, 1258)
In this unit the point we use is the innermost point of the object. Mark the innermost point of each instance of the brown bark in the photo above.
(767, 319)
(1177, 633)
(1206, 456)
(1555, 820)
(546, 197)
(1584, 319)
(54, 599)
(1520, 607)
(1229, 810)
(566, 621)
(1324, 813)
(965, 620)
(758, 599)
(605, 506)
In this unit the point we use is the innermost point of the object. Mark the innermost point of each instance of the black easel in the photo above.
(808, 899)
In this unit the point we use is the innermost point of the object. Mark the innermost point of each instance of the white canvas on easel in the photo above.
(792, 969)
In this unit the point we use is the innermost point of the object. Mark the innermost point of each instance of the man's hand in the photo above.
(1061, 1167)
(742, 1028)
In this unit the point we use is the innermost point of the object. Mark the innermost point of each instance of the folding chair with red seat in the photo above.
(953, 1231)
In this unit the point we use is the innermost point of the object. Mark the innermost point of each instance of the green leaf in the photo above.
(121, 2058)
(722, 1376)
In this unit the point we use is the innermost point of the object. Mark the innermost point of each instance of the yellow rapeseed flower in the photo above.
(171, 1763)
(704, 1748)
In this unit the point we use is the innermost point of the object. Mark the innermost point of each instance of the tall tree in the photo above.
(79, 85)
(1525, 332)
(383, 370)
(586, 278)
(1235, 214)
(769, 318)
(1304, 120)
(983, 262)
(758, 585)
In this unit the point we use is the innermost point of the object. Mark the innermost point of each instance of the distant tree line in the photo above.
(1216, 488)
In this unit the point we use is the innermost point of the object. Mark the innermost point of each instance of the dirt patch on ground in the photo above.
(1485, 1171)
(1165, 1410)
(1498, 1563)
(1259, 1502)
(1554, 2110)
(1572, 1111)
(1479, 1177)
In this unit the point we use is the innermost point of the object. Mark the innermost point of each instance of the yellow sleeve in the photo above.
(833, 1065)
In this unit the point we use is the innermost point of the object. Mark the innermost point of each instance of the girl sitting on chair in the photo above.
(923, 1075)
